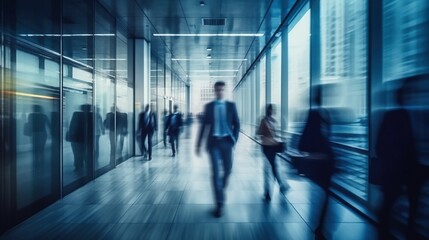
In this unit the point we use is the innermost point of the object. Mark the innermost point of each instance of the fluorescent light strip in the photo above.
(102, 59)
(68, 35)
(210, 76)
(204, 59)
(208, 34)
(218, 70)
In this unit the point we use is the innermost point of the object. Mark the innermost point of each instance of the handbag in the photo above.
(280, 147)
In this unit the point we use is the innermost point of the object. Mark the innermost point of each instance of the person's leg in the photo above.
(267, 174)
(173, 149)
(324, 210)
(149, 145)
(177, 142)
(217, 181)
(226, 152)
(143, 144)
(390, 194)
(284, 186)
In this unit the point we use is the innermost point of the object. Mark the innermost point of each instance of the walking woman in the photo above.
(270, 147)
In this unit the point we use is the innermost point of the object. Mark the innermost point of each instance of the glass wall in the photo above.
(30, 109)
(105, 79)
(298, 73)
(344, 85)
(276, 78)
(77, 124)
(67, 101)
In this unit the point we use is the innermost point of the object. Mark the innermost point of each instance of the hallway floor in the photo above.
(171, 198)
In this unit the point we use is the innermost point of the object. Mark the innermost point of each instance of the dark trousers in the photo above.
(174, 141)
(270, 153)
(147, 150)
(221, 157)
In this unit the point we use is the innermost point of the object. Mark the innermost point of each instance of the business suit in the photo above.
(220, 147)
(147, 129)
(173, 126)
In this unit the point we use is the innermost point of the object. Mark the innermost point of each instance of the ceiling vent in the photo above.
(213, 21)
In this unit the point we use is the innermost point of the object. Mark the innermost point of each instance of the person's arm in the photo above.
(202, 128)
(235, 122)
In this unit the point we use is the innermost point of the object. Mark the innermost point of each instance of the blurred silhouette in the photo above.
(164, 120)
(80, 135)
(270, 141)
(398, 161)
(110, 124)
(36, 128)
(174, 125)
(220, 126)
(122, 130)
(319, 164)
(188, 125)
(147, 125)
(99, 130)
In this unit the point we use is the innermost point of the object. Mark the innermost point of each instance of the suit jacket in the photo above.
(81, 128)
(208, 119)
(153, 124)
(174, 130)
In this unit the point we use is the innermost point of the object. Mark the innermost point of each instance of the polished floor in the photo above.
(171, 198)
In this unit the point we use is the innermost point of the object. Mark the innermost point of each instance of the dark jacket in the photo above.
(207, 123)
(396, 147)
(153, 124)
(81, 128)
(174, 129)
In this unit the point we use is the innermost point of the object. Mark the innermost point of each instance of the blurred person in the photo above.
(396, 152)
(146, 127)
(122, 130)
(36, 128)
(271, 145)
(99, 130)
(80, 135)
(220, 126)
(110, 124)
(174, 125)
(320, 160)
(164, 120)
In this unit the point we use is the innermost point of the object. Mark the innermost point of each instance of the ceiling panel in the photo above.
(145, 17)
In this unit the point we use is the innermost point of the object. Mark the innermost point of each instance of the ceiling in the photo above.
(143, 18)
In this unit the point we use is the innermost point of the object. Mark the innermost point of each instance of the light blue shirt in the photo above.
(220, 126)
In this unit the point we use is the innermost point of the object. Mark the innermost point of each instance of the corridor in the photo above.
(171, 198)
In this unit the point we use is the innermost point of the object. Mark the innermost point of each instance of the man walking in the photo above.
(147, 125)
(173, 126)
(220, 126)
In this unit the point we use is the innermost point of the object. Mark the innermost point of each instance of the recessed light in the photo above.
(202, 3)
(208, 34)
(209, 49)
(209, 56)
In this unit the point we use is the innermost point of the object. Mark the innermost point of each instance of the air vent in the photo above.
(213, 21)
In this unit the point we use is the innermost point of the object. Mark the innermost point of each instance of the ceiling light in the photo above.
(68, 35)
(205, 59)
(212, 76)
(202, 3)
(208, 34)
(215, 70)
(209, 56)
(102, 59)
(209, 49)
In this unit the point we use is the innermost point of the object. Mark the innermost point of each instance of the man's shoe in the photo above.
(217, 212)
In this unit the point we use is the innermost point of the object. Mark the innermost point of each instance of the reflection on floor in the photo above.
(171, 198)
